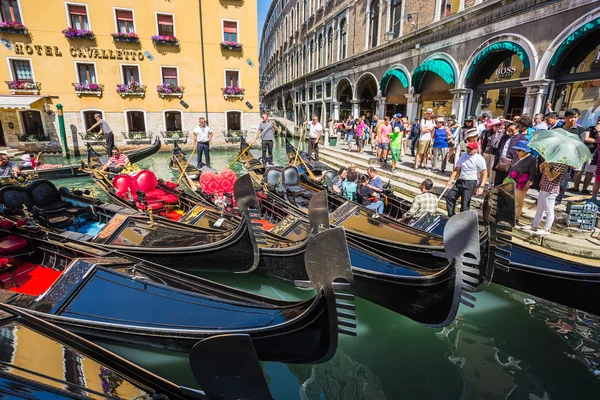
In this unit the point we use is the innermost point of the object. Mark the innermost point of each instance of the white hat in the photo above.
(429, 110)
(471, 132)
(440, 119)
(25, 157)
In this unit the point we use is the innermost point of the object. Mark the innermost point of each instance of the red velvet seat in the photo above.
(123, 183)
(146, 182)
(11, 244)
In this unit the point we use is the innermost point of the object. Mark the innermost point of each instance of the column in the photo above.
(336, 110)
(380, 106)
(355, 108)
(534, 98)
(412, 106)
(459, 102)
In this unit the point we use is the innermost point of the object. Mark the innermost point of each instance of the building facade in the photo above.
(338, 58)
(149, 67)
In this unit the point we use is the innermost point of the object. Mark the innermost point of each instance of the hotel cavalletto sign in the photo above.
(79, 52)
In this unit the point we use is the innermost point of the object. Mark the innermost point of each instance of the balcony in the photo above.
(232, 136)
(33, 137)
(93, 138)
(170, 90)
(233, 92)
(137, 137)
(132, 90)
(165, 40)
(232, 46)
(74, 33)
(13, 27)
(172, 136)
(20, 87)
(130, 37)
(93, 89)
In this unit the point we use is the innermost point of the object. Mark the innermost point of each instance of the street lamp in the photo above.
(389, 35)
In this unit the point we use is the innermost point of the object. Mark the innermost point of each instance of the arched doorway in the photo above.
(344, 97)
(394, 86)
(434, 79)
(366, 91)
(289, 108)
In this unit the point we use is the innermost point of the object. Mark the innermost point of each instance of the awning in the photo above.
(500, 46)
(398, 73)
(437, 66)
(574, 37)
(15, 102)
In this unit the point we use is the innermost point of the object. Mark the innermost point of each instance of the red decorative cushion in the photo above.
(10, 244)
(146, 181)
(124, 182)
(154, 205)
(158, 194)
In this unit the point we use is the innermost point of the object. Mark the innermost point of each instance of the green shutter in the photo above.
(500, 46)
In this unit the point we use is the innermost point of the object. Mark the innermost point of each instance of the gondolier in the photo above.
(316, 130)
(266, 131)
(468, 168)
(104, 129)
(203, 136)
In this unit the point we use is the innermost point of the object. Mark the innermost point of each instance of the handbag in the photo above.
(450, 139)
(503, 164)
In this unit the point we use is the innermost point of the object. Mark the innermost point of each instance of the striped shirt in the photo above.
(120, 159)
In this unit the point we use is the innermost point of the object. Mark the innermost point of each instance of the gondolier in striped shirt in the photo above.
(266, 131)
(104, 129)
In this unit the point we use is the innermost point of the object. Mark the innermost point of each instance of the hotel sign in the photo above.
(79, 52)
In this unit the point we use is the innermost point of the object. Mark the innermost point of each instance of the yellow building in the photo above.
(122, 51)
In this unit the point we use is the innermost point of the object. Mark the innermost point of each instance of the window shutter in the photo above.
(125, 15)
(229, 27)
(77, 10)
(169, 73)
(164, 19)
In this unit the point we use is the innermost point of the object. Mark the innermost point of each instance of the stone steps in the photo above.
(10, 152)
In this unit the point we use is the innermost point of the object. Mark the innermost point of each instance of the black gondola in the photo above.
(108, 296)
(72, 170)
(73, 367)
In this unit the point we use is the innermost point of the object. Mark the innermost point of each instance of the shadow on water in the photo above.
(510, 346)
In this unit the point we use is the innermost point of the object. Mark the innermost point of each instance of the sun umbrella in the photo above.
(560, 146)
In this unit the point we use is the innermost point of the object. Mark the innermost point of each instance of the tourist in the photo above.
(439, 141)
(469, 167)
(314, 135)
(203, 136)
(7, 167)
(352, 171)
(553, 121)
(423, 203)
(104, 129)
(489, 144)
(360, 134)
(596, 186)
(522, 172)
(591, 141)
(374, 138)
(117, 162)
(28, 161)
(453, 145)
(406, 129)
(426, 127)
(396, 140)
(506, 153)
(414, 136)
(350, 186)
(369, 198)
(339, 130)
(349, 131)
(549, 107)
(524, 125)
(468, 126)
(552, 174)
(481, 123)
(383, 138)
(538, 122)
(570, 125)
(375, 181)
(338, 181)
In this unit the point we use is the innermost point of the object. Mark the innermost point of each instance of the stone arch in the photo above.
(342, 84)
(436, 56)
(362, 80)
(519, 40)
(547, 56)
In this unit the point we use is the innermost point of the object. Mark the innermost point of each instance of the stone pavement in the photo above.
(406, 182)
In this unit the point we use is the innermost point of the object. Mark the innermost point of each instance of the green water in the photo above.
(510, 346)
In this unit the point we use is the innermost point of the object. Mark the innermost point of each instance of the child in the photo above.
(396, 142)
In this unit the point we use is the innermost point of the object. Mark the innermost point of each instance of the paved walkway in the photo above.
(406, 182)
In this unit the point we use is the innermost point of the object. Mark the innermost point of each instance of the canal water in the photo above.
(510, 346)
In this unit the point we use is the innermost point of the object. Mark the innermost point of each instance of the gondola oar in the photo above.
(312, 176)
(186, 165)
(242, 152)
(444, 192)
(299, 144)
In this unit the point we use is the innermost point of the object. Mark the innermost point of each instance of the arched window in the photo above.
(330, 46)
(292, 20)
(298, 63)
(305, 6)
(374, 23)
(321, 50)
(305, 60)
(312, 55)
(395, 17)
(343, 39)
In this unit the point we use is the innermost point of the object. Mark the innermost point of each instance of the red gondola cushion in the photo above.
(146, 181)
(154, 205)
(10, 244)
(124, 182)
(161, 195)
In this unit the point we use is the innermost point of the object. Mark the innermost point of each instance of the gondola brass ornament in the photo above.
(26, 214)
(151, 224)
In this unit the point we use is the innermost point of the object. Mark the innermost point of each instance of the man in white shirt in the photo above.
(203, 136)
(468, 168)
(426, 128)
(316, 130)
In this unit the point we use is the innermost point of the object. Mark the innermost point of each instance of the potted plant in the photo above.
(13, 27)
(166, 40)
(74, 33)
(231, 45)
(169, 90)
(19, 86)
(233, 91)
(131, 89)
(130, 37)
(88, 88)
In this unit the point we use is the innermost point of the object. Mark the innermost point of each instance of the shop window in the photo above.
(166, 26)
(89, 120)
(230, 31)
(135, 121)
(232, 78)
(173, 121)
(131, 74)
(396, 17)
(125, 21)
(9, 11)
(374, 23)
(343, 39)
(33, 127)
(22, 70)
(234, 121)
(78, 16)
(86, 73)
(169, 76)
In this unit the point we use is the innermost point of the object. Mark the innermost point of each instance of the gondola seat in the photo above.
(125, 185)
(329, 177)
(47, 198)
(11, 244)
(274, 177)
(291, 182)
(146, 182)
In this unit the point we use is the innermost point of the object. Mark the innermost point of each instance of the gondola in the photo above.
(108, 296)
(73, 170)
(40, 361)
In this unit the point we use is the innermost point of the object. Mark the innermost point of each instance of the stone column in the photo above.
(336, 111)
(355, 108)
(459, 102)
(380, 106)
(534, 98)
(412, 106)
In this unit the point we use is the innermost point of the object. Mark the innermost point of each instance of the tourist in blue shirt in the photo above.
(375, 181)
(441, 133)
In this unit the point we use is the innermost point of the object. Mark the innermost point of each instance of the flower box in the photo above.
(74, 33)
(233, 91)
(166, 90)
(88, 88)
(33, 137)
(232, 46)
(137, 137)
(13, 27)
(130, 37)
(133, 89)
(232, 136)
(23, 87)
(93, 138)
(165, 40)
(172, 136)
